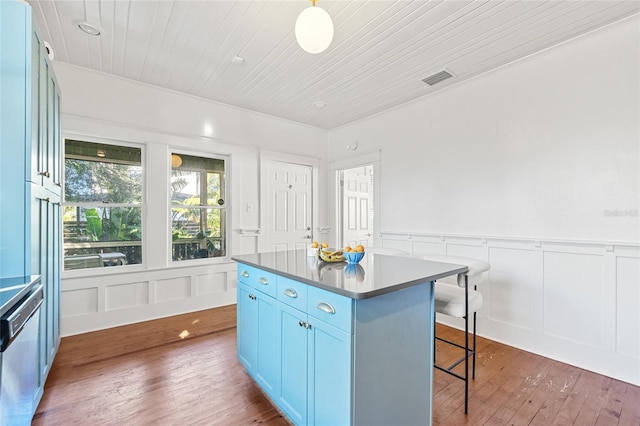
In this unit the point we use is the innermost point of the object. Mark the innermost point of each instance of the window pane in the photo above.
(102, 173)
(185, 187)
(198, 232)
(197, 181)
(98, 176)
(101, 236)
(198, 215)
(214, 188)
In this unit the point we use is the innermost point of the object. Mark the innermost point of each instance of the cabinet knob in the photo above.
(304, 324)
(252, 297)
(45, 174)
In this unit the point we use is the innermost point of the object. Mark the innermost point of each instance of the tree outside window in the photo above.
(102, 217)
(198, 207)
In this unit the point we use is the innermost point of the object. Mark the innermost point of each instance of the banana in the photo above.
(331, 255)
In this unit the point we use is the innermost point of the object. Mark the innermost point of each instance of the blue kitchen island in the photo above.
(340, 344)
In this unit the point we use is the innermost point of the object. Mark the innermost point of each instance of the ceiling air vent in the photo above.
(437, 78)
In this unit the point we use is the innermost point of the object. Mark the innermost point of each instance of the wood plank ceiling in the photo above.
(381, 51)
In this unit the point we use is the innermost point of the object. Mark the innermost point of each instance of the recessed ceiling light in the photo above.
(237, 60)
(319, 104)
(89, 29)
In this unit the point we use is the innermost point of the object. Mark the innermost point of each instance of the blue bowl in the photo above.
(353, 256)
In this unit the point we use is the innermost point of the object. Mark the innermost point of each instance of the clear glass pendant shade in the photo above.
(314, 29)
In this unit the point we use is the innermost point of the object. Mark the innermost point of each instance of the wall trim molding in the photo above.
(575, 301)
(485, 238)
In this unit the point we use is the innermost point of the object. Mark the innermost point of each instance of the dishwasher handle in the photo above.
(14, 322)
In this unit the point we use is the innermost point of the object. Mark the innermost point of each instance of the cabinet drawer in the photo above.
(257, 278)
(292, 293)
(332, 308)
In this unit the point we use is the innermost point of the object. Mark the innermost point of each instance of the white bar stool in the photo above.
(459, 301)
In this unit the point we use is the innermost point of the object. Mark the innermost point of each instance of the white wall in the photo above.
(98, 107)
(535, 168)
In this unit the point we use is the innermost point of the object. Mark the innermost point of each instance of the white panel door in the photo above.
(357, 206)
(288, 209)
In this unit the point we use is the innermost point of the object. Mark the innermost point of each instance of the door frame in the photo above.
(314, 163)
(333, 198)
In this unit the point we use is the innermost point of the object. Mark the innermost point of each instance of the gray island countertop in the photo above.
(375, 274)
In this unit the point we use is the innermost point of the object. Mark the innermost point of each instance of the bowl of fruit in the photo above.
(312, 250)
(354, 255)
(331, 255)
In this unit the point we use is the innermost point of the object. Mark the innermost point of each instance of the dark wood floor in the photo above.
(183, 371)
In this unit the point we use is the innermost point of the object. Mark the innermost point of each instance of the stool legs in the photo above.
(466, 344)
(467, 351)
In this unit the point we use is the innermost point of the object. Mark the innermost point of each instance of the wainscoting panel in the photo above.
(122, 296)
(427, 247)
(512, 290)
(574, 301)
(628, 314)
(211, 283)
(125, 295)
(173, 289)
(573, 296)
(79, 302)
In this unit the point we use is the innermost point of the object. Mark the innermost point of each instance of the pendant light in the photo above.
(314, 29)
(176, 161)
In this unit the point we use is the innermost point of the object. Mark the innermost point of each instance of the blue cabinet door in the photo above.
(247, 323)
(15, 130)
(293, 386)
(259, 337)
(329, 375)
(267, 368)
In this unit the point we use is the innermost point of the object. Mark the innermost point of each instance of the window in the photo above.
(102, 219)
(198, 208)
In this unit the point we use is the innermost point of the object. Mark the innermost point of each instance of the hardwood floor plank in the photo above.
(576, 399)
(518, 386)
(155, 373)
(594, 399)
(612, 407)
(630, 413)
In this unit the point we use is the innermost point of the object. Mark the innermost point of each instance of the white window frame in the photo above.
(143, 206)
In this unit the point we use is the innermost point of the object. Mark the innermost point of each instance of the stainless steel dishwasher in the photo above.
(20, 299)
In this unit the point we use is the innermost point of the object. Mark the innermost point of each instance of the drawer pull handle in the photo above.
(263, 281)
(291, 293)
(245, 274)
(326, 307)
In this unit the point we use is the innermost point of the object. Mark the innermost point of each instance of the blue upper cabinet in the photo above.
(15, 129)
(30, 170)
(30, 136)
